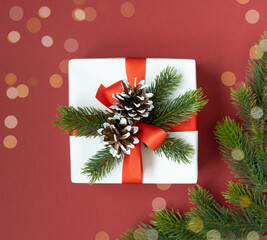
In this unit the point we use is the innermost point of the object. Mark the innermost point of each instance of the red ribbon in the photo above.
(151, 135)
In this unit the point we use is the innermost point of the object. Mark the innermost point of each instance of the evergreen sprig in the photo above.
(163, 86)
(248, 139)
(231, 138)
(81, 121)
(176, 149)
(100, 165)
(178, 110)
(248, 199)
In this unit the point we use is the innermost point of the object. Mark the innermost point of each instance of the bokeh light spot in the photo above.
(252, 16)
(243, 1)
(33, 25)
(71, 45)
(213, 235)
(47, 41)
(196, 224)
(11, 121)
(16, 13)
(244, 201)
(12, 93)
(56, 81)
(127, 9)
(78, 14)
(237, 154)
(253, 235)
(90, 14)
(13, 36)
(255, 52)
(23, 90)
(102, 236)
(10, 141)
(256, 112)
(263, 45)
(63, 66)
(44, 12)
(32, 81)
(163, 187)
(79, 2)
(11, 78)
(139, 234)
(158, 203)
(228, 78)
(152, 234)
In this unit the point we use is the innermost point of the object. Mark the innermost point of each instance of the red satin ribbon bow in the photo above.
(151, 135)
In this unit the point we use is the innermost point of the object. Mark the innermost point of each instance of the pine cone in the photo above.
(119, 134)
(133, 103)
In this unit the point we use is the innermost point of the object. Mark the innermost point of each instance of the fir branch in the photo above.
(232, 224)
(81, 121)
(230, 136)
(166, 82)
(244, 100)
(173, 224)
(99, 165)
(176, 149)
(175, 111)
(143, 232)
(248, 199)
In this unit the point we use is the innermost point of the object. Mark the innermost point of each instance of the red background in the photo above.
(37, 198)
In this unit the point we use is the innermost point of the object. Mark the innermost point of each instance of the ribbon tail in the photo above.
(132, 171)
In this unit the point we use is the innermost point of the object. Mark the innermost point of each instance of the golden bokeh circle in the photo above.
(244, 201)
(196, 224)
(164, 187)
(228, 78)
(127, 9)
(102, 236)
(56, 81)
(90, 14)
(10, 78)
(33, 25)
(255, 52)
(23, 90)
(10, 141)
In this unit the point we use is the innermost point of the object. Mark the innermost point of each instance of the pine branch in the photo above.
(175, 111)
(176, 149)
(231, 137)
(81, 121)
(101, 164)
(166, 82)
(248, 199)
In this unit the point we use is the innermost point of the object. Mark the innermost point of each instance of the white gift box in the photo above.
(85, 77)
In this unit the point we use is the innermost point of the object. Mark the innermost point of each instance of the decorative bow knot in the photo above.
(150, 135)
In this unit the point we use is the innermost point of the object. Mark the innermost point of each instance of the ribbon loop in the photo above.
(151, 135)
